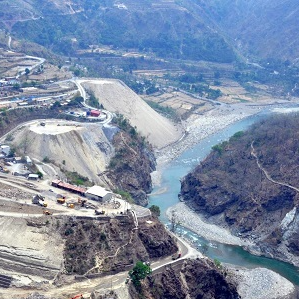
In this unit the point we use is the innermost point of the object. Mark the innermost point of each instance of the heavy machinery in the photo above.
(82, 202)
(61, 200)
(176, 255)
(39, 200)
(99, 212)
(70, 205)
(46, 212)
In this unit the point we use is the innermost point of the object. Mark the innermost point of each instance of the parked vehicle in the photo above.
(61, 200)
(46, 212)
(176, 255)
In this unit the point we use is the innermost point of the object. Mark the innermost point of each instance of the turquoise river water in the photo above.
(171, 183)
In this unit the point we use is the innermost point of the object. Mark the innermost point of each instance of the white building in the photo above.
(98, 193)
(33, 176)
(5, 149)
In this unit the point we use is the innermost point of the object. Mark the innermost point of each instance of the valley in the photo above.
(106, 108)
(78, 142)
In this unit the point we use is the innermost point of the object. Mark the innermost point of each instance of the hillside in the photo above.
(111, 245)
(117, 97)
(249, 185)
(166, 28)
(197, 30)
(188, 279)
(115, 156)
(259, 28)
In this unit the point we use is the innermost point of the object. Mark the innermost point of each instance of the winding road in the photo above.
(253, 153)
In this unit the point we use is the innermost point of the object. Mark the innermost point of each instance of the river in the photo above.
(166, 195)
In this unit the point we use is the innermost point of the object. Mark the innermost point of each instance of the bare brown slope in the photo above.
(117, 97)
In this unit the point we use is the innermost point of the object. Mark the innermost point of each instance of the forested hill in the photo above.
(258, 28)
(213, 30)
(250, 183)
(168, 29)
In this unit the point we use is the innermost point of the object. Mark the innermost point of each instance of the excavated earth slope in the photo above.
(81, 148)
(29, 246)
(116, 97)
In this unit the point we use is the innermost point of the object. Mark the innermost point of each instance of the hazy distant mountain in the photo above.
(263, 28)
(212, 30)
(163, 27)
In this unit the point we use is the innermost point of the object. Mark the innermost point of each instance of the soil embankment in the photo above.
(69, 146)
(116, 97)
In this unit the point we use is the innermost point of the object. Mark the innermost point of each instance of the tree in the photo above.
(217, 264)
(40, 174)
(155, 210)
(139, 272)
(27, 71)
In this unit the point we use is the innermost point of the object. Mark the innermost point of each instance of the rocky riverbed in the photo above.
(261, 283)
(252, 283)
(198, 127)
(196, 223)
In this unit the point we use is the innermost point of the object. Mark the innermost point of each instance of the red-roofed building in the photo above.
(95, 113)
(68, 187)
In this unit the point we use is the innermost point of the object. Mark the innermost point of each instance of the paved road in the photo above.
(83, 94)
(116, 281)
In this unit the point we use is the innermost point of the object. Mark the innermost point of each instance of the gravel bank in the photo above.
(261, 283)
(195, 222)
(198, 127)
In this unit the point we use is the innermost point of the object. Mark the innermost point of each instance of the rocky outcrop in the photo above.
(130, 168)
(249, 185)
(112, 245)
(188, 279)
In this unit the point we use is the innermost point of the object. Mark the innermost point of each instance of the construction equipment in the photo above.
(70, 205)
(99, 212)
(61, 200)
(39, 200)
(82, 202)
(46, 212)
(176, 255)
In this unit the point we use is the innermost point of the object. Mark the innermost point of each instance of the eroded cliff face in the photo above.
(130, 168)
(249, 184)
(188, 279)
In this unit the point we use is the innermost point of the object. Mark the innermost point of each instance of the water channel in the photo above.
(170, 184)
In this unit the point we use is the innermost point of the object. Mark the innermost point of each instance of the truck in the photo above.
(39, 200)
(46, 212)
(61, 200)
(176, 255)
